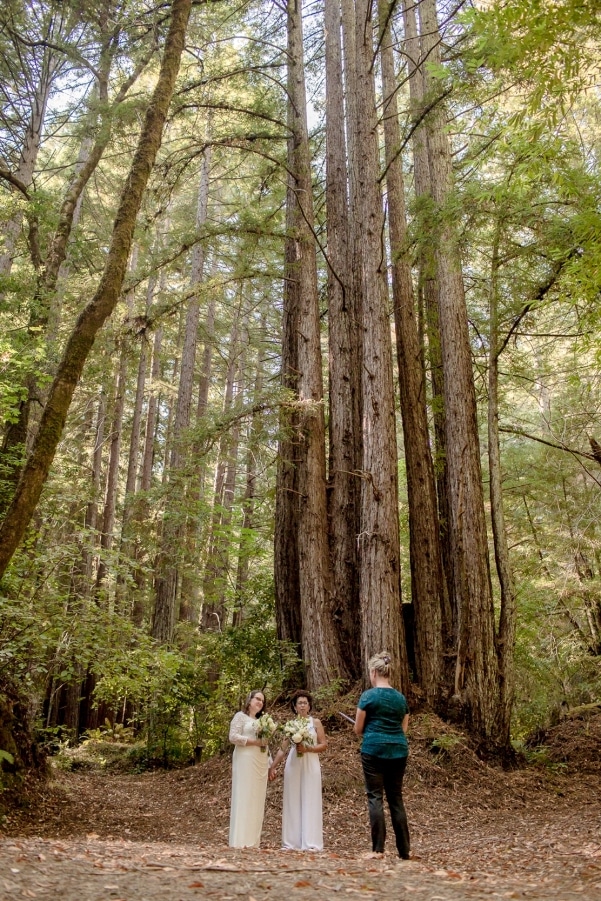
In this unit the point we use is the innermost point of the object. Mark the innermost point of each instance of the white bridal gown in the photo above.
(250, 767)
(302, 827)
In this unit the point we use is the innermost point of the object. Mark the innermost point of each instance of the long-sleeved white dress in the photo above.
(302, 823)
(250, 767)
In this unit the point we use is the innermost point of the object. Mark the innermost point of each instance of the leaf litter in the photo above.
(477, 831)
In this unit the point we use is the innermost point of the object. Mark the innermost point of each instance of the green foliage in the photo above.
(445, 744)
(548, 47)
(116, 732)
(184, 698)
(101, 754)
(554, 671)
(540, 756)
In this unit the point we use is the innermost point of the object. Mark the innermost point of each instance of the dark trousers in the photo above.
(383, 775)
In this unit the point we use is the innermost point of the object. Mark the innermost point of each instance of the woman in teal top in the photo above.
(382, 718)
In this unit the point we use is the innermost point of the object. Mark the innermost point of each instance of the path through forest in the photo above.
(477, 833)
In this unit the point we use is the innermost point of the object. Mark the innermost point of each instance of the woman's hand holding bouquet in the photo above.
(266, 728)
(297, 731)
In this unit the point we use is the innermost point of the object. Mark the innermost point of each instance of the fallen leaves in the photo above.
(468, 821)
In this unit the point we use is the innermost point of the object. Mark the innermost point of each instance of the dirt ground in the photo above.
(477, 831)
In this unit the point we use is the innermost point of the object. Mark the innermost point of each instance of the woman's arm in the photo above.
(359, 721)
(280, 754)
(236, 726)
(236, 736)
(405, 723)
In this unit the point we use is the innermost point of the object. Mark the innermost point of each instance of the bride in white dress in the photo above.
(250, 768)
(302, 821)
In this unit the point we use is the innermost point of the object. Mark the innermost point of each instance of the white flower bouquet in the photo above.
(266, 727)
(297, 730)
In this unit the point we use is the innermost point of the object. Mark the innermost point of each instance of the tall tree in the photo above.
(36, 36)
(507, 619)
(379, 548)
(105, 299)
(344, 374)
(476, 674)
(214, 610)
(427, 577)
(255, 431)
(321, 652)
(428, 300)
(190, 596)
(167, 571)
(100, 115)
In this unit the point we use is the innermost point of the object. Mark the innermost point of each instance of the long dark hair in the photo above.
(251, 695)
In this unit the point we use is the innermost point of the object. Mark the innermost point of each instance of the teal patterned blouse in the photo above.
(383, 735)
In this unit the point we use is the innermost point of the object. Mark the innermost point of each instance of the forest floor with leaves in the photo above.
(478, 832)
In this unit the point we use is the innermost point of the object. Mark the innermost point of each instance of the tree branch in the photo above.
(557, 445)
(14, 181)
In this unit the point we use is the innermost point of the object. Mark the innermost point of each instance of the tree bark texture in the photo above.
(81, 576)
(285, 540)
(152, 413)
(427, 577)
(129, 540)
(168, 567)
(214, 611)
(190, 603)
(94, 315)
(379, 549)
(248, 502)
(344, 375)
(112, 479)
(507, 618)
(476, 675)
(320, 646)
(428, 288)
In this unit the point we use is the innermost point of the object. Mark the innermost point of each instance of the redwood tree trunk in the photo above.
(428, 288)
(112, 483)
(285, 539)
(476, 674)
(248, 501)
(380, 588)
(507, 619)
(173, 528)
(427, 577)
(190, 599)
(345, 383)
(320, 646)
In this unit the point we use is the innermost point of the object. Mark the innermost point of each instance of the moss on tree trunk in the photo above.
(101, 306)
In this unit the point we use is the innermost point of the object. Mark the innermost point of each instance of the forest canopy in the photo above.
(300, 359)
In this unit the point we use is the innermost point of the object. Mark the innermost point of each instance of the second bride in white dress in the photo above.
(302, 820)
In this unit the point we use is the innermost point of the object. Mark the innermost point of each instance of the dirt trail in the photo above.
(477, 833)
(92, 870)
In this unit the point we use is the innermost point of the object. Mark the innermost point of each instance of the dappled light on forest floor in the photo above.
(477, 831)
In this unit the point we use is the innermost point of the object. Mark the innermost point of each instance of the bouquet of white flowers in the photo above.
(297, 730)
(266, 727)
